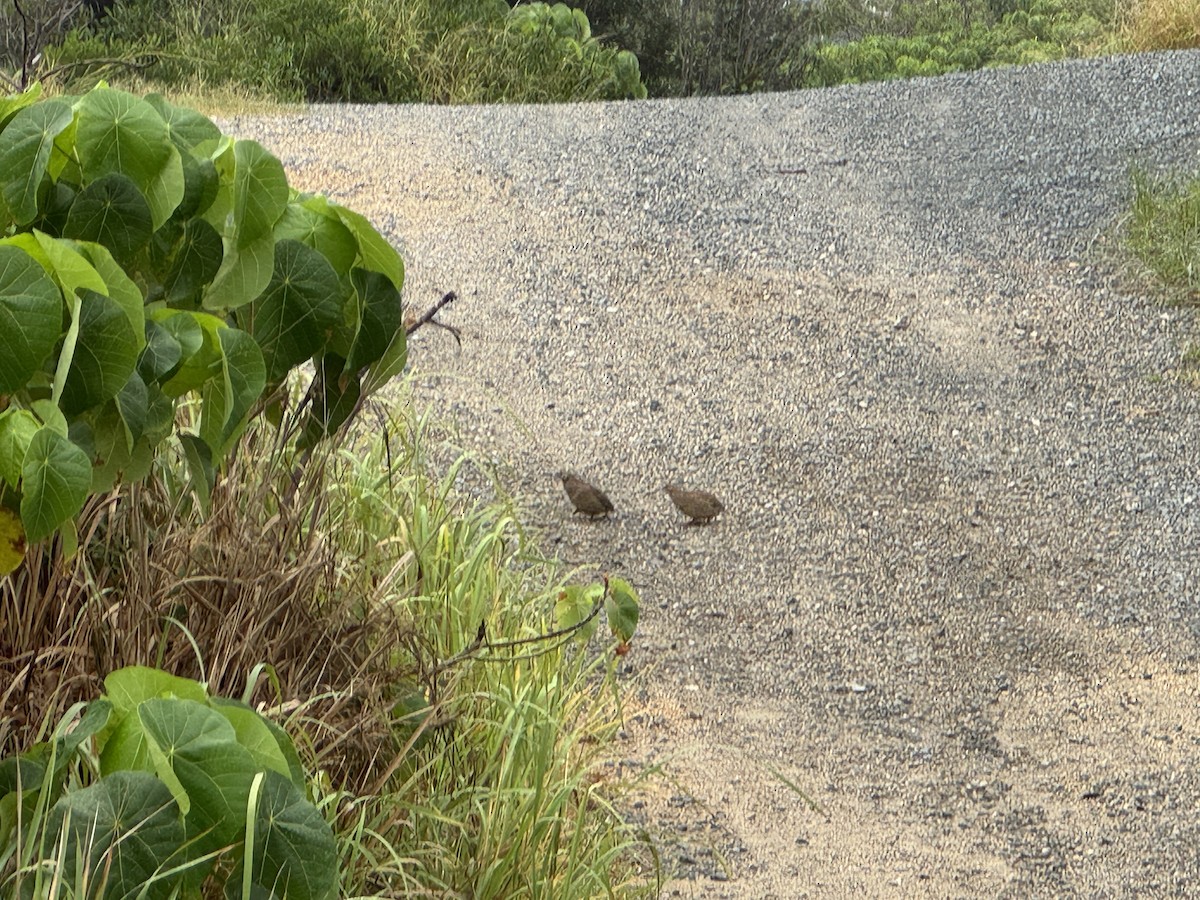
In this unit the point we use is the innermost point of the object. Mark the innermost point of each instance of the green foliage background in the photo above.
(446, 51)
(487, 51)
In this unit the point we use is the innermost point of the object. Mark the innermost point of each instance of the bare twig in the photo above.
(482, 642)
(429, 318)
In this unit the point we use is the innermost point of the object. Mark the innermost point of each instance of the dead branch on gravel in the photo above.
(429, 318)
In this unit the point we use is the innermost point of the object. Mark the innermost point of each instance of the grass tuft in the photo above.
(1164, 230)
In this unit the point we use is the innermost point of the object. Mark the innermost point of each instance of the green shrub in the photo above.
(186, 787)
(943, 40)
(366, 50)
(146, 259)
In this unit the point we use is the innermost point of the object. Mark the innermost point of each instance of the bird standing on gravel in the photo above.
(699, 506)
(586, 498)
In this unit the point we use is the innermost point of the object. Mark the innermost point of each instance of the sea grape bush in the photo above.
(145, 258)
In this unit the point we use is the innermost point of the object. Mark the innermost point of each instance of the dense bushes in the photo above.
(364, 50)
(1037, 32)
(733, 46)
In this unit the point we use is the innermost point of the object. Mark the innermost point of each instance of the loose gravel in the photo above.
(954, 597)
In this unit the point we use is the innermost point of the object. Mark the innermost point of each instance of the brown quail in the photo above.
(586, 498)
(699, 506)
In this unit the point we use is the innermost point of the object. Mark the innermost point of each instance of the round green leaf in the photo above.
(128, 827)
(244, 375)
(161, 354)
(30, 317)
(113, 212)
(374, 252)
(187, 128)
(200, 186)
(121, 288)
(301, 305)
(621, 606)
(322, 231)
(106, 353)
(197, 260)
(379, 319)
(574, 605)
(17, 428)
(132, 403)
(295, 853)
(118, 132)
(55, 477)
(25, 146)
(201, 357)
(260, 192)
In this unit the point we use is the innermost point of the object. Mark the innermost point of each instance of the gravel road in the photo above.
(954, 597)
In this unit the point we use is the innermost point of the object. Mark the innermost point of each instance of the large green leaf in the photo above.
(106, 352)
(197, 260)
(25, 147)
(126, 688)
(301, 305)
(14, 103)
(126, 826)
(160, 415)
(121, 287)
(118, 132)
(389, 365)
(113, 212)
(55, 477)
(374, 252)
(162, 352)
(621, 605)
(295, 855)
(380, 318)
(201, 359)
(111, 447)
(197, 747)
(322, 231)
(283, 741)
(255, 735)
(178, 729)
(260, 192)
(200, 186)
(244, 274)
(133, 402)
(229, 398)
(55, 200)
(575, 603)
(50, 415)
(68, 267)
(17, 428)
(187, 128)
(30, 317)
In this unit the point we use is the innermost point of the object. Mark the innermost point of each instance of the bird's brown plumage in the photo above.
(699, 506)
(586, 498)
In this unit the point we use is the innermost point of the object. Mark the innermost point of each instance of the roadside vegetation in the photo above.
(489, 51)
(252, 645)
(219, 554)
(1163, 231)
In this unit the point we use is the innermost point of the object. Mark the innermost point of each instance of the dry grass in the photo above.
(206, 596)
(1161, 25)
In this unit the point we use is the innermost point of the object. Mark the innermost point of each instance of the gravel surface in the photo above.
(954, 595)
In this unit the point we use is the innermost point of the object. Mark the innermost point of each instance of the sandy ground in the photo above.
(953, 599)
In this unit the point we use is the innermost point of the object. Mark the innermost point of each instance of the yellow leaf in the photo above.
(12, 541)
